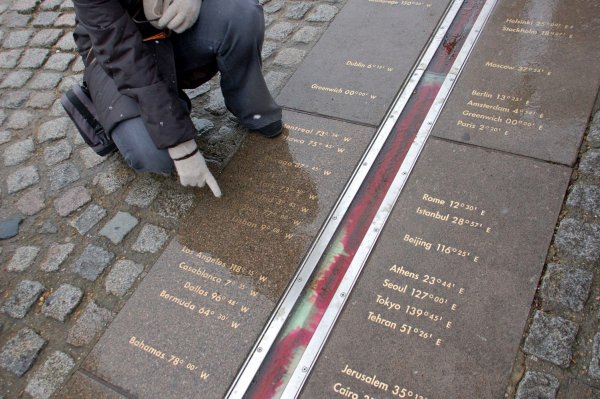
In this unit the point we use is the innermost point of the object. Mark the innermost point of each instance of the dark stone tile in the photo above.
(446, 292)
(530, 83)
(215, 286)
(83, 387)
(358, 79)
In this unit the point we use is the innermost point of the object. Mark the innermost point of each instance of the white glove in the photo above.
(192, 168)
(180, 15)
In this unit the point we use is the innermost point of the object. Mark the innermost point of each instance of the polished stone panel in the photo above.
(442, 302)
(190, 324)
(357, 67)
(531, 81)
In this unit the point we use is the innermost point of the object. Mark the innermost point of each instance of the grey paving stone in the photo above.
(568, 286)
(59, 61)
(21, 299)
(48, 228)
(17, 38)
(45, 19)
(578, 239)
(16, 79)
(57, 254)
(22, 258)
(9, 227)
(10, 58)
(34, 58)
(66, 5)
(5, 136)
(22, 178)
(594, 369)
(118, 227)
(122, 276)
(14, 99)
(24, 6)
(45, 80)
(72, 200)
(279, 31)
(198, 91)
(65, 20)
(66, 43)
(322, 13)
(275, 81)
(62, 302)
(297, 10)
(31, 202)
(41, 99)
(19, 120)
(19, 353)
(68, 82)
(151, 239)
(268, 49)
(54, 129)
(50, 376)
(88, 219)
(113, 178)
(274, 6)
(142, 192)
(59, 152)
(92, 262)
(551, 338)
(90, 158)
(216, 103)
(58, 110)
(92, 321)
(46, 37)
(173, 204)
(78, 66)
(590, 162)
(50, 4)
(594, 133)
(202, 126)
(63, 175)
(289, 57)
(18, 152)
(15, 20)
(537, 385)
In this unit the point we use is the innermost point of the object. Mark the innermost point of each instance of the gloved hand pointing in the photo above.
(191, 167)
(180, 15)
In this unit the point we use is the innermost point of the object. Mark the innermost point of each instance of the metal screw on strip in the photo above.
(259, 350)
(304, 369)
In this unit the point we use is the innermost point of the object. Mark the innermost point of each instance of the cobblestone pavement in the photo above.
(87, 228)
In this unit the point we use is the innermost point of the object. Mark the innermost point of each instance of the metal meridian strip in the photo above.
(324, 328)
(261, 347)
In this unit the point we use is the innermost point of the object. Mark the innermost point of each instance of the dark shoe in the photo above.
(271, 130)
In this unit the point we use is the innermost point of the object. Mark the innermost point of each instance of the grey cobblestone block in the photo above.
(268, 49)
(289, 57)
(216, 103)
(92, 321)
(594, 369)
(65, 20)
(50, 376)
(45, 80)
(2, 119)
(68, 82)
(113, 179)
(19, 120)
(173, 204)
(594, 133)
(57, 254)
(568, 286)
(46, 37)
(34, 58)
(279, 31)
(48, 228)
(45, 19)
(16, 79)
(57, 153)
(92, 262)
(19, 353)
(151, 239)
(66, 43)
(49, 5)
(322, 13)
(17, 39)
(78, 66)
(90, 158)
(41, 99)
(122, 276)
(16, 20)
(63, 175)
(22, 298)
(9, 227)
(143, 191)
(88, 219)
(31, 202)
(202, 126)
(72, 200)
(118, 227)
(297, 10)
(590, 162)
(275, 81)
(58, 110)
(18, 152)
(22, 178)
(10, 58)
(273, 6)
(537, 385)
(22, 258)
(59, 61)
(24, 6)
(66, 5)
(62, 302)
(578, 239)
(198, 91)
(5, 136)
(551, 338)
(54, 129)
(14, 99)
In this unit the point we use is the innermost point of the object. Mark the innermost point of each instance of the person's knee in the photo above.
(158, 162)
(247, 22)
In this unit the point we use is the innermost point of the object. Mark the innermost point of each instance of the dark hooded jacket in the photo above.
(127, 76)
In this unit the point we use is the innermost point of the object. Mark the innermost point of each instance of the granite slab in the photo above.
(442, 302)
(531, 81)
(361, 61)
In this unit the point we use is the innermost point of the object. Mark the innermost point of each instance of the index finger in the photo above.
(212, 184)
